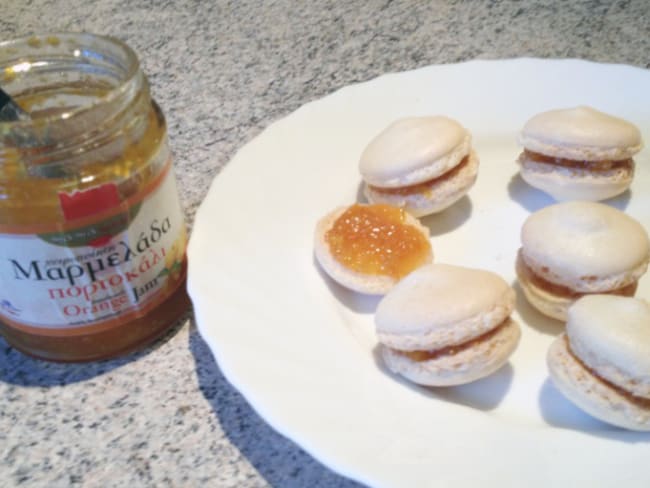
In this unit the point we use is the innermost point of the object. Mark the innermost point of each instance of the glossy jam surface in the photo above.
(376, 240)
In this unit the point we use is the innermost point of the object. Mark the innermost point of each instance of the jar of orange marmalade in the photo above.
(92, 236)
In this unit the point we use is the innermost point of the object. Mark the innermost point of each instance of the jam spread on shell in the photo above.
(376, 240)
(606, 165)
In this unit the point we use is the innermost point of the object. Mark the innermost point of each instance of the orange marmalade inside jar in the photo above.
(377, 240)
(92, 235)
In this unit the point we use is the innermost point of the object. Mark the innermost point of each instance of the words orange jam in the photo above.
(92, 236)
(375, 239)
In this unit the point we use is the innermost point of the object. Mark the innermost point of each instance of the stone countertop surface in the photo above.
(222, 71)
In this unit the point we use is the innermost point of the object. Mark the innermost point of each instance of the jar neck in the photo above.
(87, 99)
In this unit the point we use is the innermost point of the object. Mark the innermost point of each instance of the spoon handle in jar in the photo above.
(10, 110)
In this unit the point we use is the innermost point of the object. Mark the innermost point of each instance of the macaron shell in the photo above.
(587, 246)
(581, 133)
(439, 305)
(413, 150)
(611, 335)
(478, 361)
(564, 183)
(591, 395)
(349, 278)
(436, 197)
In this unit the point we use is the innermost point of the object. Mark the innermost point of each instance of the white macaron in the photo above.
(579, 153)
(571, 249)
(421, 164)
(447, 325)
(602, 362)
(369, 248)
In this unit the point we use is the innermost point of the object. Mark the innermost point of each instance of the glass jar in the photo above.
(92, 235)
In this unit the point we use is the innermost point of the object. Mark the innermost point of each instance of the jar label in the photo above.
(116, 260)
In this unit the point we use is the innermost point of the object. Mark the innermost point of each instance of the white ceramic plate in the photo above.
(302, 350)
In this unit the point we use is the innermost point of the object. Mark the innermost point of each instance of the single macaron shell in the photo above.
(585, 247)
(447, 325)
(422, 164)
(602, 362)
(372, 284)
(584, 136)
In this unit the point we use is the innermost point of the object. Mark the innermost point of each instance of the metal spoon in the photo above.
(10, 110)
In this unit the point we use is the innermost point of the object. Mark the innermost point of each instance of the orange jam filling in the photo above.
(605, 165)
(565, 291)
(376, 240)
(425, 185)
(639, 401)
(455, 348)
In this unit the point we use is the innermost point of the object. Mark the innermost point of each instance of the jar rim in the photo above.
(83, 43)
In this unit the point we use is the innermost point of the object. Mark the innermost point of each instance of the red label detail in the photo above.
(100, 241)
(79, 204)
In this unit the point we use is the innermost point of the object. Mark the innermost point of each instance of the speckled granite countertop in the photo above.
(222, 71)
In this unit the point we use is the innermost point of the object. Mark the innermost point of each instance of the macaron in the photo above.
(446, 325)
(572, 249)
(369, 248)
(578, 153)
(602, 362)
(421, 164)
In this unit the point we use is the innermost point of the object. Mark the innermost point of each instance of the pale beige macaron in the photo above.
(447, 325)
(571, 249)
(602, 362)
(369, 248)
(422, 164)
(579, 153)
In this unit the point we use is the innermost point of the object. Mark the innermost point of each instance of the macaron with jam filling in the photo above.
(447, 325)
(579, 153)
(369, 248)
(602, 362)
(572, 249)
(421, 164)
